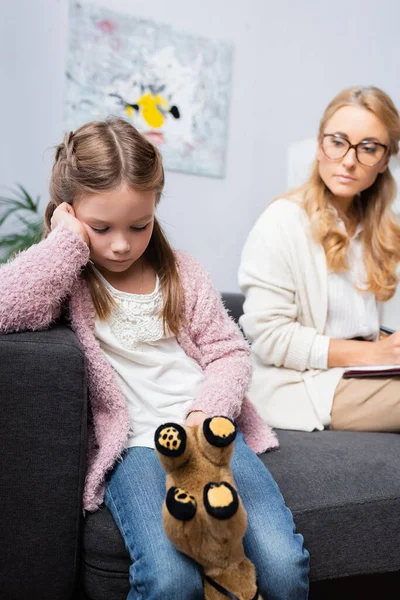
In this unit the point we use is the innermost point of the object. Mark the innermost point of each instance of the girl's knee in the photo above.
(283, 572)
(175, 582)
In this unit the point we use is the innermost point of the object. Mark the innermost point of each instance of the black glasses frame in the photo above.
(355, 146)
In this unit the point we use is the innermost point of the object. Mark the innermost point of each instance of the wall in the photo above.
(290, 59)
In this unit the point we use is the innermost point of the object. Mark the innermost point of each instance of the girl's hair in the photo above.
(373, 207)
(98, 157)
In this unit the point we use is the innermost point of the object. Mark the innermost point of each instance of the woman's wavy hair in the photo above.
(98, 157)
(373, 207)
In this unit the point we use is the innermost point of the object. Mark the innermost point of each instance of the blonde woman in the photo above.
(314, 270)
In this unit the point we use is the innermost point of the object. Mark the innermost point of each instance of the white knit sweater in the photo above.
(284, 276)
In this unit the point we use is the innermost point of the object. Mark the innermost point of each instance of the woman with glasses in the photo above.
(314, 270)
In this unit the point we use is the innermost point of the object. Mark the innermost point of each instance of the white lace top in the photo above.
(158, 379)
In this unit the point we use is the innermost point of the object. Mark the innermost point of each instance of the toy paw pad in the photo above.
(181, 504)
(219, 431)
(220, 500)
(170, 439)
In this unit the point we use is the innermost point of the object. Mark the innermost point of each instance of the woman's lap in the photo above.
(367, 404)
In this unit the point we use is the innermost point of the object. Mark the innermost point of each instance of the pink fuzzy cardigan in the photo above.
(33, 288)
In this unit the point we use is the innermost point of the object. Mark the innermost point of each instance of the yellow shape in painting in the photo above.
(149, 105)
(129, 110)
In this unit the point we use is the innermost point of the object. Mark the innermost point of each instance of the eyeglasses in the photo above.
(368, 153)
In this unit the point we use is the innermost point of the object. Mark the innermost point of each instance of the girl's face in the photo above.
(346, 177)
(119, 224)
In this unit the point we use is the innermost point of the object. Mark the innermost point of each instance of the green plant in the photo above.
(29, 222)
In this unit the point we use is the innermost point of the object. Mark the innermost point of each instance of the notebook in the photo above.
(375, 371)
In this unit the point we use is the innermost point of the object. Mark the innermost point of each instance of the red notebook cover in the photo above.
(378, 371)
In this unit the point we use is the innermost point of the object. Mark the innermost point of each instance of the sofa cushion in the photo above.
(344, 492)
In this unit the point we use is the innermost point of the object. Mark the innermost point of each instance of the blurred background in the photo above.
(289, 59)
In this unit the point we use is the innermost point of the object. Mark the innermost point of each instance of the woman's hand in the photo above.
(348, 353)
(387, 350)
(196, 417)
(64, 213)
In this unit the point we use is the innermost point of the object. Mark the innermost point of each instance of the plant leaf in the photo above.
(16, 242)
(8, 201)
(22, 202)
(8, 213)
(22, 205)
(27, 197)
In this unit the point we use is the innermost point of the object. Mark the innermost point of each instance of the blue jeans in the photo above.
(135, 494)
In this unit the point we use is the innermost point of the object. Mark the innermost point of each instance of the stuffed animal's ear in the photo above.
(180, 504)
(219, 431)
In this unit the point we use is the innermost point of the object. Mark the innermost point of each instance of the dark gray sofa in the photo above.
(342, 487)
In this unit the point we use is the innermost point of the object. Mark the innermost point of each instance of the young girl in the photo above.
(159, 347)
(315, 268)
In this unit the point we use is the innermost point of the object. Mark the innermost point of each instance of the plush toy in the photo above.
(203, 514)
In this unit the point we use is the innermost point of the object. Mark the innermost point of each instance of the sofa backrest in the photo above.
(234, 304)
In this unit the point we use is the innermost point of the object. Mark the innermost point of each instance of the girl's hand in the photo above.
(387, 350)
(196, 417)
(64, 213)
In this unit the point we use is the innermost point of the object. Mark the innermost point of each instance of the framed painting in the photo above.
(172, 86)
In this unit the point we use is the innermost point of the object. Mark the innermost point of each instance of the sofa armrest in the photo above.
(43, 398)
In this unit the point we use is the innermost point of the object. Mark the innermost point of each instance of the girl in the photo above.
(315, 268)
(159, 347)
